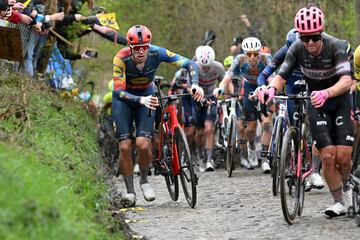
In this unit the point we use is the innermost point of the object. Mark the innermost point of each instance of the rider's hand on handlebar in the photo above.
(150, 102)
(318, 98)
(268, 91)
(198, 92)
(217, 92)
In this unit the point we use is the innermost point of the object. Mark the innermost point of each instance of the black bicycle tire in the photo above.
(355, 157)
(356, 207)
(191, 197)
(291, 134)
(275, 173)
(218, 141)
(231, 146)
(172, 182)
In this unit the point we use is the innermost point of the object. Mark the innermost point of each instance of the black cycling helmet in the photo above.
(209, 38)
(237, 40)
(182, 75)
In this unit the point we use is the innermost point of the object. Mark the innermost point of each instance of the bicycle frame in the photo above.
(281, 116)
(299, 125)
(170, 121)
(226, 115)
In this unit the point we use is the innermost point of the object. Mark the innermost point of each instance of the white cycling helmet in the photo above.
(251, 44)
(205, 55)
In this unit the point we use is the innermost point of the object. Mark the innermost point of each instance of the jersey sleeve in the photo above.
(119, 75)
(179, 61)
(342, 64)
(290, 60)
(220, 70)
(234, 69)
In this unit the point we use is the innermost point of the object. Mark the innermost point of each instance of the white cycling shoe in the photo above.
(316, 181)
(128, 200)
(266, 167)
(335, 210)
(148, 192)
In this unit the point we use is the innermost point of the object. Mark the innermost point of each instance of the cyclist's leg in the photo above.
(209, 133)
(321, 126)
(265, 139)
(315, 179)
(344, 139)
(251, 116)
(123, 118)
(189, 129)
(241, 128)
(290, 88)
(199, 120)
(144, 132)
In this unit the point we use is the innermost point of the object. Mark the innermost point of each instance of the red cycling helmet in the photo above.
(309, 20)
(265, 49)
(138, 34)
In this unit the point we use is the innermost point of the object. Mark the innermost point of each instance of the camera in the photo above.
(92, 54)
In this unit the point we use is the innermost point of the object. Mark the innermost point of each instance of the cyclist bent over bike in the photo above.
(324, 63)
(134, 70)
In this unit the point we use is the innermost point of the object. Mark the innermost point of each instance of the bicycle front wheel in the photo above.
(172, 182)
(187, 175)
(290, 185)
(231, 146)
(356, 199)
(275, 173)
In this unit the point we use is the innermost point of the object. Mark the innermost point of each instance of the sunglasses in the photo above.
(138, 48)
(307, 38)
(253, 54)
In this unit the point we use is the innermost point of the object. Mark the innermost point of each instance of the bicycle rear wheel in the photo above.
(172, 182)
(231, 146)
(275, 173)
(289, 184)
(187, 175)
(356, 199)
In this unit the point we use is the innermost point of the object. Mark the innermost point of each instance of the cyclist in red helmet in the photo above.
(324, 62)
(133, 73)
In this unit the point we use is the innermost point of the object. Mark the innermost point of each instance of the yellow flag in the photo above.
(26, 3)
(109, 20)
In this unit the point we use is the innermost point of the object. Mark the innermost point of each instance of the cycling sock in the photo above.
(129, 184)
(315, 163)
(208, 154)
(265, 148)
(252, 145)
(143, 174)
(337, 195)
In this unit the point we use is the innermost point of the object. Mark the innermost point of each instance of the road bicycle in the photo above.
(281, 124)
(354, 182)
(174, 157)
(295, 161)
(227, 139)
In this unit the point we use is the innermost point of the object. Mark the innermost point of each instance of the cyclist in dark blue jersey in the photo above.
(133, 73)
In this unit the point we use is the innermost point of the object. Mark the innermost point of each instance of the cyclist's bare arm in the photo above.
(342, 86)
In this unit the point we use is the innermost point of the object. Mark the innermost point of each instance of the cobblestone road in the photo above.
(240, 207)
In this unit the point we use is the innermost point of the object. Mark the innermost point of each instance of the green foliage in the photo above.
(180, 25)
(52, 185)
